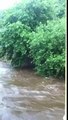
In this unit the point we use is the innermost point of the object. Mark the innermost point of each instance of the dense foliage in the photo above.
(34, 34)
(47, 48)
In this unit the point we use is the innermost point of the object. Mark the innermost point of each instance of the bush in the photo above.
(33, 33)
(47, 48)
(14, 41)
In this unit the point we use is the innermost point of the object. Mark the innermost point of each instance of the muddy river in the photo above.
(27, 96)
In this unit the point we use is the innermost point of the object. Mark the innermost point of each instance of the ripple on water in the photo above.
(26, 96)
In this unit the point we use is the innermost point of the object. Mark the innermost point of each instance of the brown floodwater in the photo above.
(27, 96)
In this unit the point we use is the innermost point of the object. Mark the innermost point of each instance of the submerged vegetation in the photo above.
(34, 34)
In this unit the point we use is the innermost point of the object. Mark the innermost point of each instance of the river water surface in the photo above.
(27, 96)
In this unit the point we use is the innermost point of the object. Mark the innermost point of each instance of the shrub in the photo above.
(47, 48)
(14, 41)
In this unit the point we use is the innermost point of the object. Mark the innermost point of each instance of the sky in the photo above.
(5, 4)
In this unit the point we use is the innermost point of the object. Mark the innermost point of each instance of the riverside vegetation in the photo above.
(34, 33)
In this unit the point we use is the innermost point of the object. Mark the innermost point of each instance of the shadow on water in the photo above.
(27, 96)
